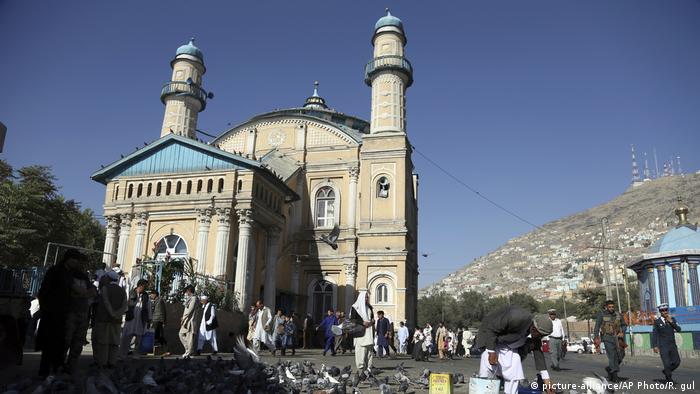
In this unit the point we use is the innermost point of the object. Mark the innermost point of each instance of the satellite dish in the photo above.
(210, 95)
(189, 81)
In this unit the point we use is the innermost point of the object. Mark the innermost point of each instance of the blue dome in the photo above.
(680, 238)
(388, 20)
(190, 49)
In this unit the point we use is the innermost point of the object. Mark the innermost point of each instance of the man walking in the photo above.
(159, 320)
(610, 328)
(504, 333)
(208, 326)
(362, 314)
(325, 327)
(555, 339)
(441, 335)
(403, 337)
(187, 326)
(263, 327)
(83, 292)
(382, 335)
(308, 331)
(137, 317)
(663, 341)
(111, 306)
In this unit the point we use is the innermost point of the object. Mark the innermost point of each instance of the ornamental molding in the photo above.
(245, 216)
(295, 121)
(351, 270)
(112, 222)
(125, 219)
(141, 219)
(354, 173)
(223, 216)
(204, 216)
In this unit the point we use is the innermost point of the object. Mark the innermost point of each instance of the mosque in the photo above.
(300, 207)
(668, 274)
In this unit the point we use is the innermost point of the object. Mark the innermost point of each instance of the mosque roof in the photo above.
(388, 20)
(190, 49)
(176, 154)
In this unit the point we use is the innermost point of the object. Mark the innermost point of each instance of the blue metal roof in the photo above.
(680, 238)
(388, 20)
(174, 154)
(190, 49)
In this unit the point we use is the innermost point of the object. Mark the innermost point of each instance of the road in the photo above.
(641, 370)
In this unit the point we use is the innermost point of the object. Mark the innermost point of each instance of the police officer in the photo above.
(610, 327)
(663, 340)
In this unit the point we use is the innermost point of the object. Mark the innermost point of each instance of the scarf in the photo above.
(360, 305)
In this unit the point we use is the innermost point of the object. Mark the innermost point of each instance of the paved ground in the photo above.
(641, 370)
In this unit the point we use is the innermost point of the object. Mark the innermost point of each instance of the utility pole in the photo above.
(617, 291)
(629, 310)
(566, 317)
(606, 268)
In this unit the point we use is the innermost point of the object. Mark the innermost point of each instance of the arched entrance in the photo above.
(321, 298)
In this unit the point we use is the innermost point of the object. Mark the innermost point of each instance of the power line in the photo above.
(471, 189)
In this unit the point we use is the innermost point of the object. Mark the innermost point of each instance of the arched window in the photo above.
(131, 191)
(116, 192)
(240, 185)
(210, 185)
(168, 188)
(323, 298)
(178, 188)
(189, 187)
(158, 189)
(199, 186)
(139, 190)
(220, 188)
(149, 189)
(171, 245)
(381, 294)
(325, 207)
(383, 187)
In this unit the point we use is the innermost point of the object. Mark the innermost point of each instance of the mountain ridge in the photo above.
(564, 255)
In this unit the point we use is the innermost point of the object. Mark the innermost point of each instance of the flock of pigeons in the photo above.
(244, 373)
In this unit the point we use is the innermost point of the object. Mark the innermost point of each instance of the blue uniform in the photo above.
(326, 324)
(664, 338)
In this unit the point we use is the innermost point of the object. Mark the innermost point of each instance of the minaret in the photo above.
(671, 169)
(678, 162)
(646, 168)
(389, 74)
(635, 170)
(183, 96)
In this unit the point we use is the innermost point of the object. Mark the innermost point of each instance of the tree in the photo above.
(32, 213)
(525, 301)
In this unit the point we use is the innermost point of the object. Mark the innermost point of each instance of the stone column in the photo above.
(273, 236)
(203, 226)
(678, 283)
(352, 198)
(652, 287)
(111, 240)
(222, 236)
(140, 235)
(246, 245)
(124, 231)
(350, 279)
(694, 285)
(663, 285)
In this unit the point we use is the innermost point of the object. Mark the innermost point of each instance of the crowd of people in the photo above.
(123, 321)
(127, 321)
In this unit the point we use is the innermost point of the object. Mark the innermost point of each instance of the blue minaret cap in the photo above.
(388, 20)
(190, 49)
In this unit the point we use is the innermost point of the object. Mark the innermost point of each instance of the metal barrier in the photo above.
(21, 281)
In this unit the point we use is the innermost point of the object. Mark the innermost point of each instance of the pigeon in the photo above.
(332, 237)
(148, 379)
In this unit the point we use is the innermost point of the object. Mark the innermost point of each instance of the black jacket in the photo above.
(507, 326)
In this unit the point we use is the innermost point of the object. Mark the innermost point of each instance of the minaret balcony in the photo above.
(389, 62)
(185, 88)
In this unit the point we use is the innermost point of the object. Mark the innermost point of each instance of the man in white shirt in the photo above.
(555, 339)
(403, 337)
(263, 327)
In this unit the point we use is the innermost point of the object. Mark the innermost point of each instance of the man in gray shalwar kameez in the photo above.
(111, 305)
(187, 323)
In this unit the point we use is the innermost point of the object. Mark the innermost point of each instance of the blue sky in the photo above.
(533, 103)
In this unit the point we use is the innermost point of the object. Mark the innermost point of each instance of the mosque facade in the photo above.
(300, 207)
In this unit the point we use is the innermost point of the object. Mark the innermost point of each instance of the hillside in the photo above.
(564, 255)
